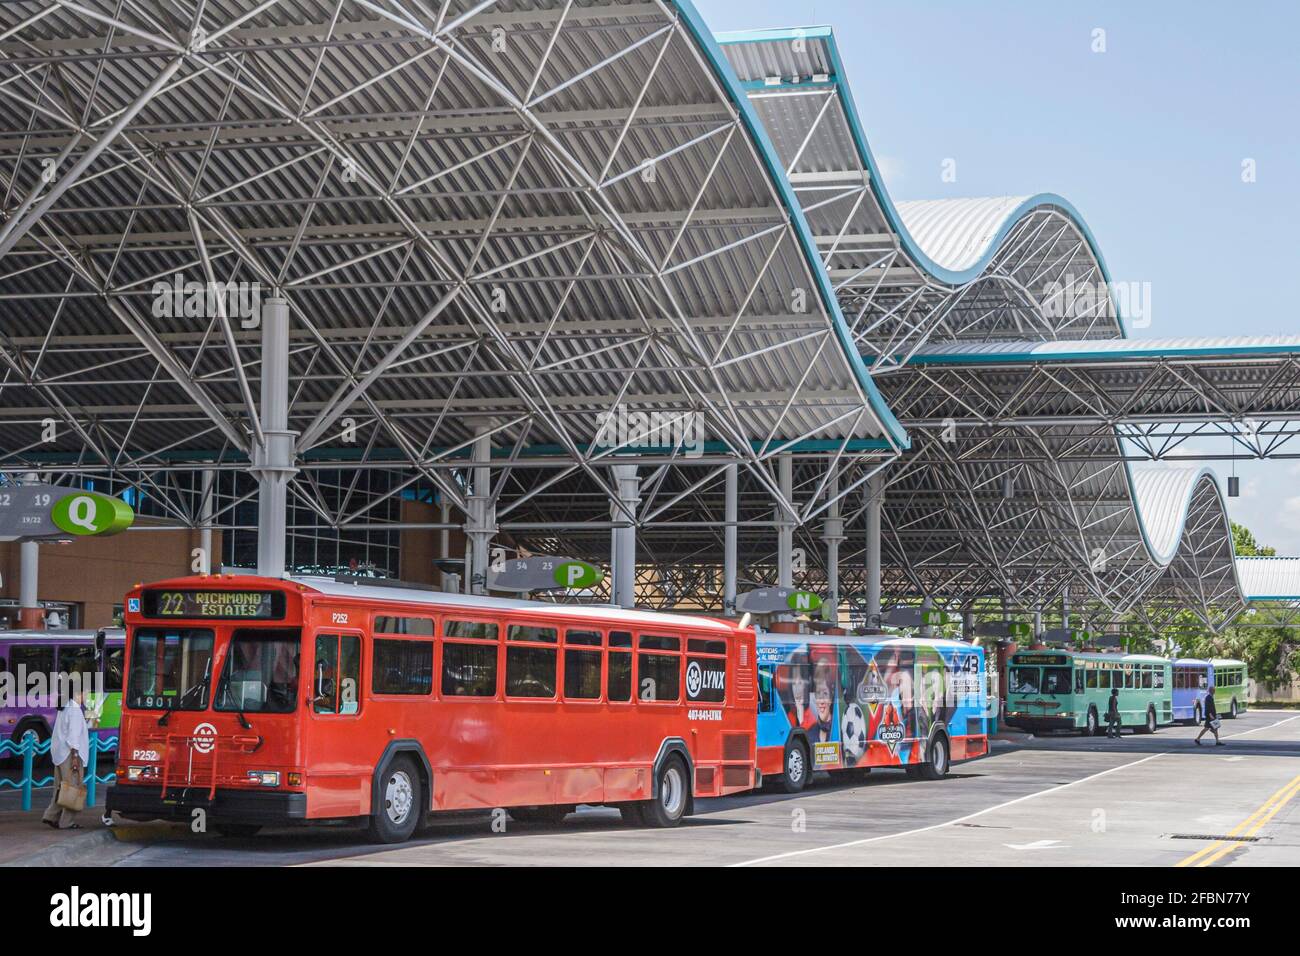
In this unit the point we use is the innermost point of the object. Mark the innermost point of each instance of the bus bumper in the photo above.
(227, 806)
(1034, 723)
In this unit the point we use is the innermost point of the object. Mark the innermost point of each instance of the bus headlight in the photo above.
(266, 778)
(140, 773)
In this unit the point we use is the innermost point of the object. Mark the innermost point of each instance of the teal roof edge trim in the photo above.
(726, 76)
(947, 276)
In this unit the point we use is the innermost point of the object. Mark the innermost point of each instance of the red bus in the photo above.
(269, 702)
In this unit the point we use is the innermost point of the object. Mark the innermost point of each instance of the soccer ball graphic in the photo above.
(853, 733)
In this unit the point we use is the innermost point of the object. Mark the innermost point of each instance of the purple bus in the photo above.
(26, 653)
(1192, 678)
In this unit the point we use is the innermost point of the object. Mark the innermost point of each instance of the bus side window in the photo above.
(765, 677)
(1078, 681)
(619, 681)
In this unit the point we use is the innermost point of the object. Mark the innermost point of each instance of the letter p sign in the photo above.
(577, 574)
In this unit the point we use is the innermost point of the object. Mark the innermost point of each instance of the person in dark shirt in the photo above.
(1211, 715)
(1112, 714)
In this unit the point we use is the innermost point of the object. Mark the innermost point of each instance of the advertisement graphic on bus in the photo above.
(843, 702)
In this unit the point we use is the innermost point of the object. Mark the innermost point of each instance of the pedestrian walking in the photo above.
(1112, 714)
(1211, 715)
(69, 750)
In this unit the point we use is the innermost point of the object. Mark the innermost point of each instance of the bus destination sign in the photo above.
(200, 604)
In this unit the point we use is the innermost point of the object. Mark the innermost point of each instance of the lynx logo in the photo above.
(891, 735)
(698, 679)
(75, 909)
(204, 738)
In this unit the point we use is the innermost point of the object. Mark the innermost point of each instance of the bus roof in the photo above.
(875, 640)
(412, 595)
(1226, 661)
(1190, 660)
(29, 634)
(1100, 656)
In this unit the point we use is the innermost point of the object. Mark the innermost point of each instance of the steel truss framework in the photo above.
(526, 221)
(487, 219)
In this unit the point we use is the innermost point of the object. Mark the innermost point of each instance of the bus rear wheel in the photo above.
(1093, 726)
(672, 794)
(795, 775)
(1150, 726)
(1196, 714)
(397, 811)
(1232, 709)
(936, 767)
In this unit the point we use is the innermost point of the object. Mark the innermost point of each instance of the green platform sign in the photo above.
(87, 513)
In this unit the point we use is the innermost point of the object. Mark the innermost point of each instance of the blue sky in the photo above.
(1146, 139)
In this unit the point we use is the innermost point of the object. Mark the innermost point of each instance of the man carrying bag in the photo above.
(69, 750)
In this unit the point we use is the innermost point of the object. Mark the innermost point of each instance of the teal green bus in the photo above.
(1070, 690)
(1230, 679)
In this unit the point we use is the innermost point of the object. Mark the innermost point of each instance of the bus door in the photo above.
(337, 763)
(1058, 686)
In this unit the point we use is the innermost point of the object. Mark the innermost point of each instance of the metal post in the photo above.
(1038, 624)
(482, 527)
(29, 566)
(92, 764)
(968, 625)
(927, 630)
(729, 562)
(833, 534)
(273, 462)
(785, 524)
(444, 542)
(29, 762)
(1065, 610)
(623, 540)
(206, 510)
(875, 503)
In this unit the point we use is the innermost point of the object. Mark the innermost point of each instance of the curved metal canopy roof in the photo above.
(513, 218)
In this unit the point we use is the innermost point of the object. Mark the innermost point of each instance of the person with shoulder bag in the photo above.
(69, 751)
(1211, 715)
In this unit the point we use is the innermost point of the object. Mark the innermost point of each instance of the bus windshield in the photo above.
(1024, 680)
(1056, 680)
(171, 669)
(261, 673)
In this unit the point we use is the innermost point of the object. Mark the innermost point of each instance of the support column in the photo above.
(623, 540)
(1038, 624)
(968, 625)
(927, 630)
(206, 511)
(785, 524)
(29, 606)
(447, 581)
(273, 463)
(832, 534)
(729, 538)
(875, 503)
(482, 526)
(1065, 610)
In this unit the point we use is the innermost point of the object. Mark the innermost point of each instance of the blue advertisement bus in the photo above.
(852, 703)
(1192, 678)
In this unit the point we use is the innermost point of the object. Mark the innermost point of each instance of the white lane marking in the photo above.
(1038, 845)
(1252, 730)
(948, 823)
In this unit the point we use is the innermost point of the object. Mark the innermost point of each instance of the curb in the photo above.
(67, 853)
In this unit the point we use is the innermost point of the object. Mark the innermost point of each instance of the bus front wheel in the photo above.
(672, 794)
(935, 768)
(397, 812)
(795, 775)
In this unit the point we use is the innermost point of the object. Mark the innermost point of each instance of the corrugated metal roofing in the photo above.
(1269, 579)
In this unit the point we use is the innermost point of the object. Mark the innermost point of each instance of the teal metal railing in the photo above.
(30, 747)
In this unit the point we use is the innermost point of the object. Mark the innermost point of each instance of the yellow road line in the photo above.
(1248, 827)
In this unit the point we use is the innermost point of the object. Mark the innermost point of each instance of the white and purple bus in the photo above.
(31, 660)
